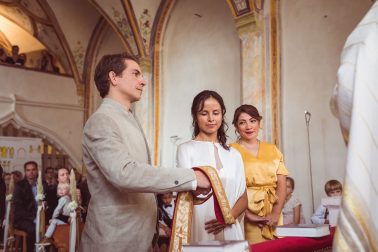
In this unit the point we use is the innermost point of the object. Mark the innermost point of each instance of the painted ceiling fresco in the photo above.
(65, 31)
(68, 28)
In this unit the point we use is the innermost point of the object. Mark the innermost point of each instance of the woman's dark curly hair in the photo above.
(197, 105)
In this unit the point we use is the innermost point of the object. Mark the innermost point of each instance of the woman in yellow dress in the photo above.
(265, 174)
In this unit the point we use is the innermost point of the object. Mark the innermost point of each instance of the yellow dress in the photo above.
(261, 178)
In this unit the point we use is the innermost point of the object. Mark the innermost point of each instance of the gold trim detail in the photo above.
(166, 8)
(245, 23)
(353, 224)
(182, 219)
(233, 12)
(135, 28)
(275, 71)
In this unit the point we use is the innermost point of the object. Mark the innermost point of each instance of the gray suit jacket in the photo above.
(122, 213)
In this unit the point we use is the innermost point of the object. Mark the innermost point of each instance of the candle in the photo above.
(39, 183)
(73, 186)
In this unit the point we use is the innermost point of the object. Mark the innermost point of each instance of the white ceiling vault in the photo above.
(66, 28)
(71, 30)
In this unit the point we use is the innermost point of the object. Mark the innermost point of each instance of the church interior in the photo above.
(280, 56)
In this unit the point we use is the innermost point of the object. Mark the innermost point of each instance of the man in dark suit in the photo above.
(25, 205)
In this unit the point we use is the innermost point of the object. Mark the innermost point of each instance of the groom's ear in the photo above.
(113, 78)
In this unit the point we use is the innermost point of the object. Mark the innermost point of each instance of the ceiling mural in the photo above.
(68, 15)
(145, 25)
(64, 31)
(46, 34)
(28, 16)
(17, 16)
(114, 12)
(79, 56)
(34, 9)
(145, 12)
(4, 42)
(122, 23)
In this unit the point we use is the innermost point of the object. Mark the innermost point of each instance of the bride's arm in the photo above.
(240, 205)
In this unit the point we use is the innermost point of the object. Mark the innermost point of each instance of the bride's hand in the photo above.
(214, 227)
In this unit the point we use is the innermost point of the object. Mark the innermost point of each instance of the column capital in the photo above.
(145, 64)
(245, 23)
(80, 91)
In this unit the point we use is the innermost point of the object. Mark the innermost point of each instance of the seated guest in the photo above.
(50, 176)
(3, 192)
(292, 211)
(84, 195)
(61, 213)
(7, 178)
(333, 188)
(166, 208)
(47, 62)
(14, 57)
(3, 55)
(51, 196)
(63, 175)
(17, 176)
(21, 61)
(25, 203)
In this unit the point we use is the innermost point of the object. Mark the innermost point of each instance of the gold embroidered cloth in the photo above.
(182, 218)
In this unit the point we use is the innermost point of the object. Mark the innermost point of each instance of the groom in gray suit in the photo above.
(122, 214)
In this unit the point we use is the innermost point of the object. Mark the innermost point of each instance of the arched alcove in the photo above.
(54, 153)
(200, 50)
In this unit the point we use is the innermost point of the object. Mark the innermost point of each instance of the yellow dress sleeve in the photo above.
(281, 166)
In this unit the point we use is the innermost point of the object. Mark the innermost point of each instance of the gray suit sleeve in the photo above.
(103, 145)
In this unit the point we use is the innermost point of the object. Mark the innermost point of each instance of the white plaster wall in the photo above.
(313, 34)
(76, 25)
(198, 53)
(111, 44)
(43, 91)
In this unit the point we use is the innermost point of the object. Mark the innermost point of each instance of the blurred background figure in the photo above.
(292, 211)
(47, 62)
(3, 55)
(3, 192)
(50, 176)
(14, 57)
(17, 176)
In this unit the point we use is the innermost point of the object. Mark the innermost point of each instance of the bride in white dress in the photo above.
(209, 148)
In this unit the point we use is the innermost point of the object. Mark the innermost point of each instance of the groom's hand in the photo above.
(203, 183)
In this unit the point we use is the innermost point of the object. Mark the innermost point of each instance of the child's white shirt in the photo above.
(319, 216)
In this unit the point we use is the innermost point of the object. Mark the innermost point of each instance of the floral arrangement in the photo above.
(9, 197)
(72, 205)
(39, 197)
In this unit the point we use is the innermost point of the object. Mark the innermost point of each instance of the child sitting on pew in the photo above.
(333, 188)
(292, 210)
(61, 213)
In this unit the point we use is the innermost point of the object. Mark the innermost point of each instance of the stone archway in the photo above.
(55, 153)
